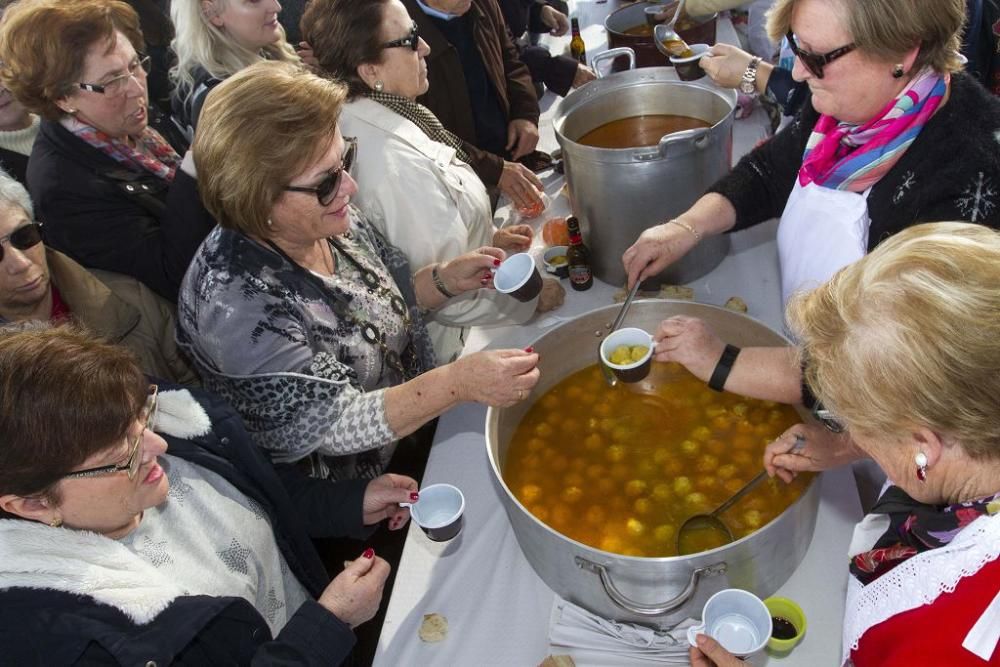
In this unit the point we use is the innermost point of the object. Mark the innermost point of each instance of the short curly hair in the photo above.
(43, 45)
(344, 34)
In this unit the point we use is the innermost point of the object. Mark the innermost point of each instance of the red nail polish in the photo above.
(529, 349)
(496, 262)
(369, 553)
(414, 496)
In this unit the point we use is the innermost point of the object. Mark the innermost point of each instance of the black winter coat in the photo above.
(50, 627)
(106, 216)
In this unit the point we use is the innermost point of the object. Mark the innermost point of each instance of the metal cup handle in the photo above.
(640, 608)
(610, 54)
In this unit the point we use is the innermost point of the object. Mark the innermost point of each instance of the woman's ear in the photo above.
(211, 12)
(908, 59)
(34, 509)
(368, 73)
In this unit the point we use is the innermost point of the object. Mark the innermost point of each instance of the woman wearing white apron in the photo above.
(895, 135)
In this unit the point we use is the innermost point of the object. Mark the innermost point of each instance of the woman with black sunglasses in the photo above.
(895, 134)
(297, 310)
(408, 157)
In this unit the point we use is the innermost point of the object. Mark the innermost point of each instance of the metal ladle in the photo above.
(701, 524)
(609, 377)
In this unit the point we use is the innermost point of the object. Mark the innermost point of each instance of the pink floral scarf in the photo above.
(151, 151)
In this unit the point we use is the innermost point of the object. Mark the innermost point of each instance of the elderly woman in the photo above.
(112, 192)
(214, 39)
(296, 309)
(41, 284)
(406, 156)
(18, 130)
(103, 528)
(904, 348)
(894, 135)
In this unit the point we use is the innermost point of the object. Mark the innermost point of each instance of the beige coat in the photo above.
(122, 310)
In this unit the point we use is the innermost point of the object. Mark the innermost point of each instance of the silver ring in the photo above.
(800, 441)
(520, 394)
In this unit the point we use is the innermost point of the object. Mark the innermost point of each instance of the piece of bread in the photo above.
(552, 296)
(434, 628)
(557, 661)
(737, 304)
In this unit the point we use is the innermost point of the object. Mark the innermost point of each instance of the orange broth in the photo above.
(621, 470)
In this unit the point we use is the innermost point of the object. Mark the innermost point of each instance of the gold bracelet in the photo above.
(680, 223)
(436, 277)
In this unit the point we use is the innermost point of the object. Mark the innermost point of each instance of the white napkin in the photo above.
(592, 640)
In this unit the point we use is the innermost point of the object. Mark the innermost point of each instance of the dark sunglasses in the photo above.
(22, 238)
(327, 189)
(814, 62)
(412, 40)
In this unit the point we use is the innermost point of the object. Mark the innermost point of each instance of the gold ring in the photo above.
(520, 394)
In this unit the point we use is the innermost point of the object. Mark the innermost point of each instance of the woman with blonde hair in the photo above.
(297, 310)
(214, 40)
(904, 348)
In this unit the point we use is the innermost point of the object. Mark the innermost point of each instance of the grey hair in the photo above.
(12, 192)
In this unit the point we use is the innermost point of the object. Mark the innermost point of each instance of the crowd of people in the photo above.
(237, 274)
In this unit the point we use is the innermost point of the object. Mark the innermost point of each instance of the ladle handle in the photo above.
(643, 609)
(747, 488)
(677, 14)
(625, 306)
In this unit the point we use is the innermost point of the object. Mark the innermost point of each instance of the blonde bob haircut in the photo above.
(198, 43)
(887, 29)
(259, 129)
(909, 337)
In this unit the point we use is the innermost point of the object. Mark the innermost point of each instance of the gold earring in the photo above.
(897, 72)
(56, 521)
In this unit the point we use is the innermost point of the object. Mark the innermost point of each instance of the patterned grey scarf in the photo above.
(420, 116)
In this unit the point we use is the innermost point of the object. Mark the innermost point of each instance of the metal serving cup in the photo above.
(560, 270)
(518, 277)
(635, 371)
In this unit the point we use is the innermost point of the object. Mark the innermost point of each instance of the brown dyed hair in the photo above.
(258, 129)
(343, 35)
(43, 45)
(65, 395)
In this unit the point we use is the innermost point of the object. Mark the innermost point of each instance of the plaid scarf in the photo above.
(151, 151)
(915, 528)
(842, 156)
(422, 117)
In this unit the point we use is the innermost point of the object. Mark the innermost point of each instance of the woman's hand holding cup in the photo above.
(355, 594)
(690, 342)
(499, 378)
(383, 496)
(471, 271)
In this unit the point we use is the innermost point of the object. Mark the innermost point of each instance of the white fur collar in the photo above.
(33, 555)
(180, 415)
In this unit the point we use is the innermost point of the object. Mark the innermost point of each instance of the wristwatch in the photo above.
(748, 85)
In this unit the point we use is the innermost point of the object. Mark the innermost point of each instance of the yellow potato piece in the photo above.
(434, 628)
(638, 352)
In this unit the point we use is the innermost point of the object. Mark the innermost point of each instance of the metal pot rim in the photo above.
(622, 11)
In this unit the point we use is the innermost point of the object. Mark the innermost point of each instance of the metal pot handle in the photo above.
(634, 607)
(611, 54)
(697, 136)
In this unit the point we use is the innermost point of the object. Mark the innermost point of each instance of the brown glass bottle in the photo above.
(578, 258)
(577, 49)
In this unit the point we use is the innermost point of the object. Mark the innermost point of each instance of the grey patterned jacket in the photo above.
(272, 343)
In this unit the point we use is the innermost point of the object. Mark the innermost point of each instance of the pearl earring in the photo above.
(379, 85)
(269, 223)
(921, 460)
(897, 72)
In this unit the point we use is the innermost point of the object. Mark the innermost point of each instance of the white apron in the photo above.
(821, 231)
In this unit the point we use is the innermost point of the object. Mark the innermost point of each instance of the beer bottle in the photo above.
(578, 258)
(577, 49)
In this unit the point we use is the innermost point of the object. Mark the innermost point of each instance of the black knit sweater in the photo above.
(950, 172)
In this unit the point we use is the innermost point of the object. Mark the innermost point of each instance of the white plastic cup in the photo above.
(439, 511)
(518, 277)
(737, 619)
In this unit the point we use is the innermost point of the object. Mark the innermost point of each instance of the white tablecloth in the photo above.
(498, 609)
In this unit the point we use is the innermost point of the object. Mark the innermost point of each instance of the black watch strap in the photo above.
(722, 369)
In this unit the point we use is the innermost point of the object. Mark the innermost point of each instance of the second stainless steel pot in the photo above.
(617, 193)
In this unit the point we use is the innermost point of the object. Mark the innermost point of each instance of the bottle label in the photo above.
(579, 275)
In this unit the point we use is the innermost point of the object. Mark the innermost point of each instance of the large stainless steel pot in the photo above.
(617, 193)
(653, 591)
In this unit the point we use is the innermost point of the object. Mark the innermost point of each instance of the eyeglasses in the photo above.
(22, 238)
(814, 62)
(412, 40)
(327, 189)
(117, 86)
(828, 419)
(131, 464)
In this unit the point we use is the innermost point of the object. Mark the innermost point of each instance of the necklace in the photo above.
(370, 332)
